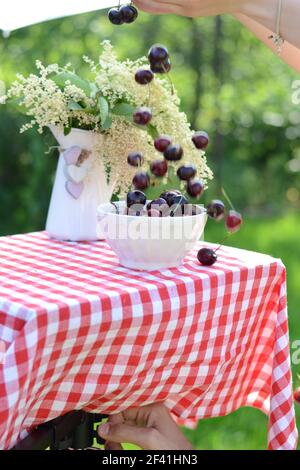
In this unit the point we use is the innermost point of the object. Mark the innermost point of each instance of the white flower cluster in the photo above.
(116, 81)
(49, 101)
(120, 140)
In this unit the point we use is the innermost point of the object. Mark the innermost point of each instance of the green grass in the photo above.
(279, 237)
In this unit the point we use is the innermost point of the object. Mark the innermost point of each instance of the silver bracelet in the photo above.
(277, 38)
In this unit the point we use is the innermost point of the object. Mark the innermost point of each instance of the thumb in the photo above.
(146, 438)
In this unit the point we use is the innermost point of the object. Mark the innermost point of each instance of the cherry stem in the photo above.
(227, 199)
(116, 207)
(178, 204)
(222, 241)
(169, 78)
(149, 95)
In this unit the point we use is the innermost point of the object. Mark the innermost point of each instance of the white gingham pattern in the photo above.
(82, 332)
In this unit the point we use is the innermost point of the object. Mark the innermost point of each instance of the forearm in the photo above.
(289, 53)
(263, 12)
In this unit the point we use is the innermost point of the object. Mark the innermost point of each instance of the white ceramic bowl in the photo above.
(149, 243)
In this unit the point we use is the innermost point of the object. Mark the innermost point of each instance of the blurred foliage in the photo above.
(231, 86)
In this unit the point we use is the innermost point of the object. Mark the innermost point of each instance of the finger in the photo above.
(115, 419)
(152, 6)
(112, 446)
(146, 438)
(122, 418)
(145, 415)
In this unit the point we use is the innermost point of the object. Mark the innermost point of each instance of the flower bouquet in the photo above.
(101, 124)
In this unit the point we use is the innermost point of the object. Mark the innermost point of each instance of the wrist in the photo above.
(262, 11)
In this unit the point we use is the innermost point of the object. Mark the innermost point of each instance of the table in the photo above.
(78, 331)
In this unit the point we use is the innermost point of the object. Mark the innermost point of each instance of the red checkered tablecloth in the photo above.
(78, 331)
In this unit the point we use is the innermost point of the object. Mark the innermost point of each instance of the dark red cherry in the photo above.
(158, 53)
(144, 76)
(136, 210)
(168, 195)
(195, 188)
(162, 142)
(154, 213)
(233, 221)
(142, 116)
(161, 67)
(159, 168)
(115, 16)
(159, 205)
(135, 159)
(156, 202)
(297, 395)
(207, 257)
(136, 197)
(141, 180)
(192, 209)
(173, 153)
(129, 13)
(216, 210)
(186, 172)
(201, 140)
(177, 205)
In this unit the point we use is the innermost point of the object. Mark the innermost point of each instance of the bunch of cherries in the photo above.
(159, 60)
(171, 203)
(123, 14)
(171, 153)
(233, 221)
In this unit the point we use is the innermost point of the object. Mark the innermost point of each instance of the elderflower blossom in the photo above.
(56, 96)
(47, 103)
(116, 82)
(121, 139)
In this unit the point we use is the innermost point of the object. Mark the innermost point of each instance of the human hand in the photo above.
(190, 8)
(150, 427)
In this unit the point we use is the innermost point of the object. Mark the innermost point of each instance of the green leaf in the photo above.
(126, 110)
(61, 78)
(107, 123)
(123, 109)
(104, 109)
(152, 131)
(67, 129)
(18, 102)
(73, 106)
(94, 90)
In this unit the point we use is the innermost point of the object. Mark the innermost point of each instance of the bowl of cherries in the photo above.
(158, 234)
(150, 235)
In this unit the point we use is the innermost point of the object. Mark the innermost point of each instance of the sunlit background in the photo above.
(231, 86)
